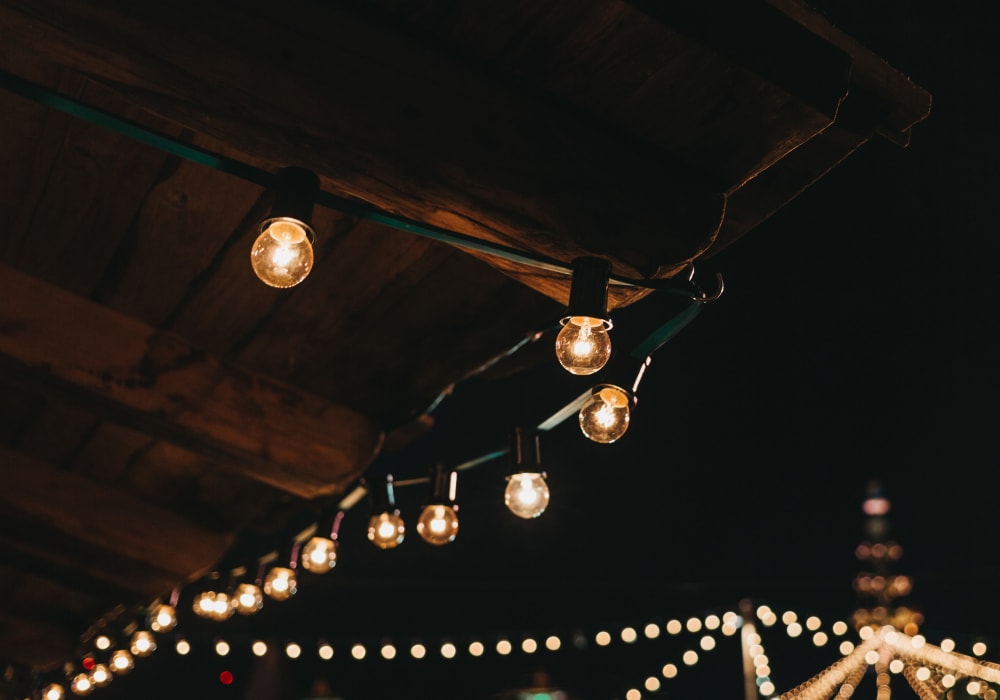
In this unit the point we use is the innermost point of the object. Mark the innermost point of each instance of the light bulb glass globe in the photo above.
(100, 675)
(604, 417)
(222, 607)
(438, 524)
(121, 662)
(143, 643)
(280, 583)
(386, 530)
(282, 255)
(53, 691)
(526, 495)
(162, 618)
(248, 598)
(319, 555)
(583, 346)
(82, 685)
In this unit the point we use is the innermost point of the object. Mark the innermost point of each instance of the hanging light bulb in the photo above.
(282, 255)
(527, 494)
(281, 582)
(81, 684)
(143, 643)
(121, 661)
(583, 346)
(319, 554)
(438, 522)
(604, 417)
(248, 598)
(53, 691)
(100, 675)
(162, 617)
(386, 528)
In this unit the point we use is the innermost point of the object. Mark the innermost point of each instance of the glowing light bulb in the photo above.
(53, 691)
(100, 675)
(282, 255)
(249, 599)
(583, 346)
(280, 583)
(386, 530)
(438, 524)
(604, 417)
(82, 685)
(526, 495)
(319, 555)
(163, 618)
(143, 643)
(121, 662)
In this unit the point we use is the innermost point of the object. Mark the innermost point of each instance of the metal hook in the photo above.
(706, 298)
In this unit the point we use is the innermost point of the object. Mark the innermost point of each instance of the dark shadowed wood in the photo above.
(101, 517)
(294, 441)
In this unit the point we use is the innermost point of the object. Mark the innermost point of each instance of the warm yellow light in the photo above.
(325, 651)
(293, 650)
(280, 583)
(438, 524)
(82, 685)
(102, 642)
(259, 648)
(358, 651)
(100, 675)
(604, 417)
(583, 345)
(214, 605)
(121, 661)
(319, 555)
(163, 618)
(527, 495)
(248, 598)
(182, 647)
(143, 643)
(53, 691)
(282, 255)
(386, 530)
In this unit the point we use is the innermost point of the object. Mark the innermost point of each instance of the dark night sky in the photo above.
(854, 342)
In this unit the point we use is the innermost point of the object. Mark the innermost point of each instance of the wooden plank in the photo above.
(158, 383)
(386, 119)
(103, 517)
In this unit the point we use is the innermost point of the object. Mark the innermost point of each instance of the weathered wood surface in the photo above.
(144, 378)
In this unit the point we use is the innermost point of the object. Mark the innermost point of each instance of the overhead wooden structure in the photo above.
(151, 384)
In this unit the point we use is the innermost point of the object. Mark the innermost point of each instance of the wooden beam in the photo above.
(88, 355)
(384, 118)
(94, 515)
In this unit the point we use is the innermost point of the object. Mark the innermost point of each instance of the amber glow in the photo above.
(386, 530)
(438, 524)
(282, 255)
(583, 345)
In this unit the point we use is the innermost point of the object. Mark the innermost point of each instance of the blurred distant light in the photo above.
(226, 678)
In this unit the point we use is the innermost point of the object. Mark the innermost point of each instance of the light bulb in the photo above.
(82, 685)
(53, 691)
(386, 530)
(282, 255)
(319, 555)
(280, 583)
(605, 415)
(438, 524)
(583, 346)
(100, 675)
(249, 599)
(163, 618)
(526, 495)
(143, 643)
(121, 661)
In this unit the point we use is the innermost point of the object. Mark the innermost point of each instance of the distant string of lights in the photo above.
(932, 671)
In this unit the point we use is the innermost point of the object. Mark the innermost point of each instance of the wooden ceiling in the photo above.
(151, 384)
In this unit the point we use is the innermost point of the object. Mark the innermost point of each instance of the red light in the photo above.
(226, 678)
(88, 663)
